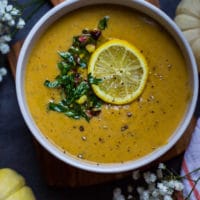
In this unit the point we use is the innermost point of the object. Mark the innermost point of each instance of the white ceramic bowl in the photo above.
(143, 7)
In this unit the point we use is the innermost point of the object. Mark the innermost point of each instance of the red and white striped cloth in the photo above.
(191, 161)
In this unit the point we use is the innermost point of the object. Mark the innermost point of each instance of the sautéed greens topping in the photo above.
(77, 97)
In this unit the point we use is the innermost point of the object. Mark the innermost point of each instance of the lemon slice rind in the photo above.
(123, 70)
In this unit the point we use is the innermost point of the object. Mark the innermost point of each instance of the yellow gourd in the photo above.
(12, 186)
(188, 19)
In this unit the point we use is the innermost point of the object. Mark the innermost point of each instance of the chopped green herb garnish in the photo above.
(103, 23)
(93, 80)
(77, 97)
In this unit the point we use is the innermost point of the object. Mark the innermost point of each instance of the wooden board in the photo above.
(60, 174)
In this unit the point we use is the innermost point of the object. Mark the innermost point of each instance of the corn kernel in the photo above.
(90, 48)
(82, 99)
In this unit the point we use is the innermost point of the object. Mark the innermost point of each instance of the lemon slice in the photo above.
(123, 70)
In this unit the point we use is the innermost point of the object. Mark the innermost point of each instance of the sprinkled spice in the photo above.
(81, 128)
(123, 128)
(80, 156)
(84, 138)
(129, 114)
(101, 140)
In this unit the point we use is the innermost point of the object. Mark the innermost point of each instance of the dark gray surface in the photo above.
(16, 147)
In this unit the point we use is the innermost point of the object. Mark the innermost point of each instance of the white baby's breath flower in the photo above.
(171, 183)
(3, 4)
(155, 193)
(9, 20)
(161, 166)
(144, 195)
(130, 196)
(159, 173)
(136, 175)
(15, 12)
(7, 17)
(5, 38)
(140, 190)
(3, 71)
(167, 197)
(116, 193)
(21, 23)
(163, 189)
(11, 23)
(149, 177)
(178, 186)
(120, 197)
(175, 184)
(170, 190)
(9, 8)
(4, 48)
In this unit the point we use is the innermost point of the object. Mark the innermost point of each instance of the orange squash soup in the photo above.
(120, 132)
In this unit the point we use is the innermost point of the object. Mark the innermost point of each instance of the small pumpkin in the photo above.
(12, 186)
(188, 19)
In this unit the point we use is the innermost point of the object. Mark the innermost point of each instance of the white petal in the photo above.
(167, 197)
(21, 23)
(3, 71)
(161, 166)
(11, 23)
(7, 17)
(15, 12)
(9, 8)
(4, 48)
(5, 38)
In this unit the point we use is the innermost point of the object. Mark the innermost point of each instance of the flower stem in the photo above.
(195, 183)
(189, 173)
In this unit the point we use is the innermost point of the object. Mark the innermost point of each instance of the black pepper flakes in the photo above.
(81, 128)
(123, 128)
(129, 114)
(101, 140)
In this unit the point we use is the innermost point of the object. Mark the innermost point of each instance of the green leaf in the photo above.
(57, 107)
(54, 84)
(68, 57)
(64, 67)
(81, 89)
(103, 23)
(93, 80)
(75, 111)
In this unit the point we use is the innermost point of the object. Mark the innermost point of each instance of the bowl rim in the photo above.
(42, 25)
